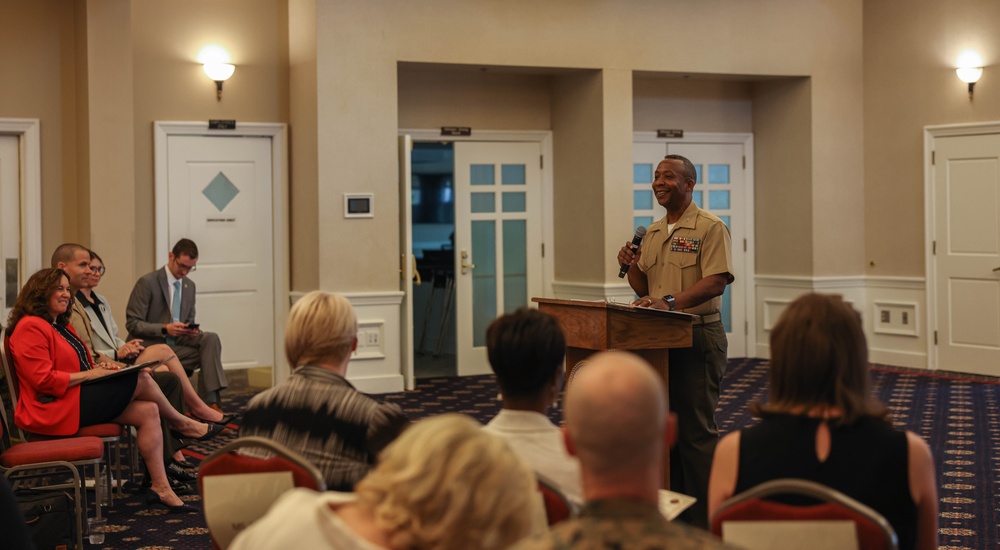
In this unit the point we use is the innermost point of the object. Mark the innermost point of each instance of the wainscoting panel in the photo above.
(376, 365)
(892, 311)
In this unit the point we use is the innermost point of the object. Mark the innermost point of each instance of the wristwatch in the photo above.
(669, 299)
(163, 330)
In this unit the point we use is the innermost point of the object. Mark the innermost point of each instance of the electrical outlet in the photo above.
(885, 316)
(906, 317)
(372, 339)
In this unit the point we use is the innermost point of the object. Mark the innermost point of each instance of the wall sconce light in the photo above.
(969, 69)
(220, 72)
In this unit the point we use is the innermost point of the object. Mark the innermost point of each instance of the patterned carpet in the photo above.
(958, 416)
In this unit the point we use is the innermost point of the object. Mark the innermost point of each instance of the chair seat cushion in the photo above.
(106, 430)
(68, 449)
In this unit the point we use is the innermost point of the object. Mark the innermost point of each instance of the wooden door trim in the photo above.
(280, 277)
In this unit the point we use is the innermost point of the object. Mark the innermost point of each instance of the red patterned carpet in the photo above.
(959, 417)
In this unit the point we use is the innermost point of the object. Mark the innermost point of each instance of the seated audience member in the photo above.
(316, 412)
(156, 315)
(443, 484)
(76, 260)
(53, 365)
(617, 424)
(526, 350)
(822, 424)
(96, 320)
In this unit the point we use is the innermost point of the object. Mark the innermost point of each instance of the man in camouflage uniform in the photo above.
(616, 424)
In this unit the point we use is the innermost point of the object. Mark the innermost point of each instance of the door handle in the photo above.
(465, 265)
(996, 269)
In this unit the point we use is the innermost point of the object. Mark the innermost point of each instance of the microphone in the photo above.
(640, 232)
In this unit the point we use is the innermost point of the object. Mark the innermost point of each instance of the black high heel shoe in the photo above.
(213, 430)
(153, 499)
(226, 419)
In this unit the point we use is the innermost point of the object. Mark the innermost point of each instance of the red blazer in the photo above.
(44, 360)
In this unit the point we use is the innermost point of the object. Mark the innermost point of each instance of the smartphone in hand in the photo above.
(193, 326)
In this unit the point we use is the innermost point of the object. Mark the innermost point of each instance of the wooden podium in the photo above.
(591, 326)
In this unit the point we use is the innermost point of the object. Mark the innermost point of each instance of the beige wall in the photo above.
(909, 69)
(480, 98)
(303, 153)
(691, 105)
(863, 152)
(170, 84)
(783, 195)
(578, 173)
(37, 80)
(358, 120)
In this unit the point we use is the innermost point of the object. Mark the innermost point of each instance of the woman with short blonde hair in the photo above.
(445, 484)
(316, 412)
(321, 329)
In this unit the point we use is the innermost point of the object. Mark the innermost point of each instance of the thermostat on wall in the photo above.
(359, 205)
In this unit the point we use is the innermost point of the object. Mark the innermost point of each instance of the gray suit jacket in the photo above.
(149, 306)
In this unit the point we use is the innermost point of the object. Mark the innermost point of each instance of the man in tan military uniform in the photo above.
(684, 264)
(617, 424)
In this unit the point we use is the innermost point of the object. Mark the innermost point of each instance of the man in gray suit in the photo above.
(161, 310)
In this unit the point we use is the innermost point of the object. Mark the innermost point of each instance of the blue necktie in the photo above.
(175, 309)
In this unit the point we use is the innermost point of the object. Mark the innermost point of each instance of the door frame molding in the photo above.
(931, 134)
(746, 140)
(280, 276)
(28, 132)
(544, 139)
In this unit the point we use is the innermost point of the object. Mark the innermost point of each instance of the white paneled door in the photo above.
(220, 195)
(10, 231)
(966, 258)
(498, 239)
(722, 188)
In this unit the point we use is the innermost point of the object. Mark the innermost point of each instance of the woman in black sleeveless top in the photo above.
(821, 424)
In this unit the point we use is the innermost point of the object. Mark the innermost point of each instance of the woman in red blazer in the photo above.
(52, 365)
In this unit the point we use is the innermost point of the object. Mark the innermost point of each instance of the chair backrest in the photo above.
(873, 531)
(10, 375)
(245, 471)
(557, 507)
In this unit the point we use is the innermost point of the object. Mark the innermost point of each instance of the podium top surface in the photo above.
(600, 325)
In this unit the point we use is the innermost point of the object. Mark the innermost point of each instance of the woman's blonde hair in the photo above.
(321, 329)
(446, 484)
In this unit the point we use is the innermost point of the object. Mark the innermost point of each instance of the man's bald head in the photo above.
(616, 413)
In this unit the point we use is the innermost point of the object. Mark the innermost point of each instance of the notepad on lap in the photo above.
(124, 370)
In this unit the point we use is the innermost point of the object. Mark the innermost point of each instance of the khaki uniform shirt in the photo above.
(699, 246)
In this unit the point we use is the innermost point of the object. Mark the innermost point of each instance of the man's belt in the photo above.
(706, 319)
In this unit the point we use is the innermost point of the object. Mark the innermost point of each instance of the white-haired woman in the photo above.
(316, 412)
(445, 484)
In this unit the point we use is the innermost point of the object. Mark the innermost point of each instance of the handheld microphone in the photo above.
(640, 232)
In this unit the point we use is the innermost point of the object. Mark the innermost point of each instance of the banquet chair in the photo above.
(242, 472)
(557, 507)
(42, 460)
(872, 530)
(109, 433)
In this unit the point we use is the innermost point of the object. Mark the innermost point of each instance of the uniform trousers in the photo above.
(695, 374)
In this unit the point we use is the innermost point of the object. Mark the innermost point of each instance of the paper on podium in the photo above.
(232, 502)
(672, 504)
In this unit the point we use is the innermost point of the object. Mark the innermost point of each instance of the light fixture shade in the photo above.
(969, 74)
(219, 71)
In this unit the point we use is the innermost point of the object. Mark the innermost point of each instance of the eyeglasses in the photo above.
(99, 269)
(186, 267)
